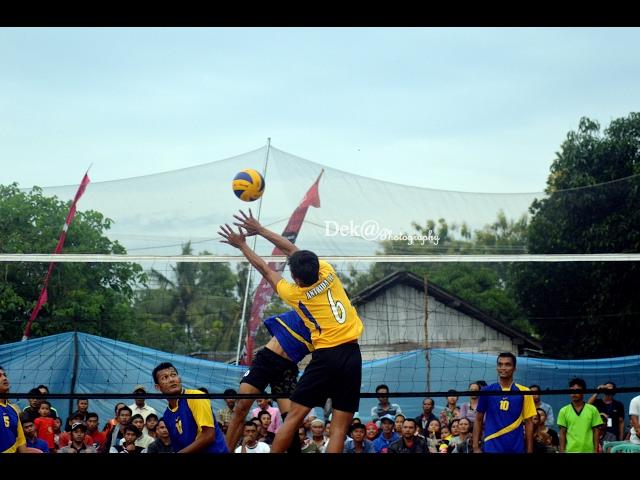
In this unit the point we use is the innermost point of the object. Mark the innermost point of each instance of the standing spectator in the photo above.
(468, 409)
(451, 411)
(113, 421)
(548, 409)
(31, 410)
(409, 442)
(357, 443)
(388, 435)
(78, 442)
(162, 443)
(191, 423)
(117, 431)
(250, 443)
(499, 417)
(426, 416)
(139, 406)
(31, 434)
(225, 414)
(613, 409)
(578, 422)
(43, 389)
(83, 409)
(383, 407)
(44, 425)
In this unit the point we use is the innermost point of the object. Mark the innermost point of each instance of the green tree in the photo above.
(584, 309)
(89, 297)
(193, 304)
(487, 286)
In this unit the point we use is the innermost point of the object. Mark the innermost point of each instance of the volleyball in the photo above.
(248, 185)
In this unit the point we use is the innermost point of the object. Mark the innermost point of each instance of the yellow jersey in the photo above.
(324, 307)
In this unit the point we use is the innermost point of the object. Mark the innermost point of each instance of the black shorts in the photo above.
(269, 368)
(334, 373)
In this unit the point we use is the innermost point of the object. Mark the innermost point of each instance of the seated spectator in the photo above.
(78, 440)
(162, 443)
(357, 443)
(409, 442)
(31, 435)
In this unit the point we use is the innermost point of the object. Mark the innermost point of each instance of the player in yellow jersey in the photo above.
(335, 370)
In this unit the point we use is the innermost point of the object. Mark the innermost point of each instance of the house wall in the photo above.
(394, 322)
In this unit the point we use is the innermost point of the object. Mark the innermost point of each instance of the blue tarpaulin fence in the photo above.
(82, 363)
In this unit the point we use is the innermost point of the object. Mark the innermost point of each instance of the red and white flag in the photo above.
(265, 292)
(43, 293)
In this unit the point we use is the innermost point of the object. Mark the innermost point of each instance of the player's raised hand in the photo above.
(230, 237)
(248, 223)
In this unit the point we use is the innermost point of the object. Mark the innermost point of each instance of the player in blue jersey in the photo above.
(276, 365)
(12, 437)
(505, 418)
(191, 423)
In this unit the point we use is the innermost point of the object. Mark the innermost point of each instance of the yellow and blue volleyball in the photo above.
(248, 185)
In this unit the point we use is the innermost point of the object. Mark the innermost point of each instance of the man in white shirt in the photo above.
(250, 443)
(139, 406)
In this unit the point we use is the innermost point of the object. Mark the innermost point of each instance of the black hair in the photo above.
(132, 428)
(409, 419)
(381, 386)
(42, 402)
(203, 389)
(249, 423)
(531, 387)
(25, 417)
(151, 415)
(92, 415)
(263, 412)
(230, 391)
(305, 267)
(355, 426)
(507, 355)
(137, 415)
(39, 386)
(612, 383)
(578, 381)
(125, 408)
(34, 391)
(162, 366)
(481, 383)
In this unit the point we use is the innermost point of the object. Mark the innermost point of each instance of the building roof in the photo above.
(448, 299)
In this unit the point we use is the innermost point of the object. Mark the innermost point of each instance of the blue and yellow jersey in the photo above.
(324, 307)
(503, 419)
(292, 334)
(11, 434)
(185, 423)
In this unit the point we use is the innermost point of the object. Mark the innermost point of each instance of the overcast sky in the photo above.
(471, 109)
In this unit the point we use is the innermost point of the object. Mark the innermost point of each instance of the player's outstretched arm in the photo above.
(253, 227)
(239, 241)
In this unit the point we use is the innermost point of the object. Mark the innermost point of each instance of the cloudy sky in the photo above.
(471, 109)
